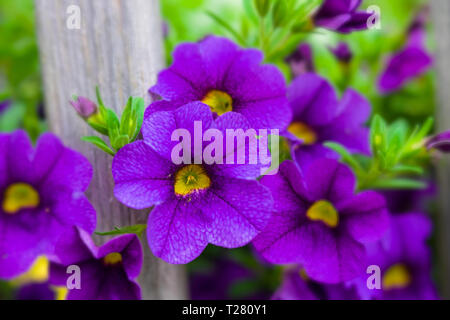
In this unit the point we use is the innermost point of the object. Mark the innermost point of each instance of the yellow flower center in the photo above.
(303, 132)
(396, 277)
(323, 211)
(19, 196)
(38, 272)
(190, 179)
(112, 259)
(220, 102)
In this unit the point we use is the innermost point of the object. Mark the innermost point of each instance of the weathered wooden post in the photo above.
(441, 19)
(117, 46)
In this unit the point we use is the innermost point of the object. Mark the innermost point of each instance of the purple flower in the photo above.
(319, 117)
(404, 260)
(301, 60)
(36, 291)
(410, 62)
(342, 52)
(227, 78)
(318, 221)
(84, 107)
(341, 16)
(297, 286)
(42, 197)
(108, 272)
(4, 105)
(195, 204)
(440, 142)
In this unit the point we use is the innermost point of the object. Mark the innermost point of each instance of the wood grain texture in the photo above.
(441, 19)
(118, 47)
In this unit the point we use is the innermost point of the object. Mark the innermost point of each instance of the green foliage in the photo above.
(397, 154)
(19, 67)
(119, 131)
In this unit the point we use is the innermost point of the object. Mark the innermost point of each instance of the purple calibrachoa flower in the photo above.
(195, 204)
(297, 286)
(36, 291)
(42, 196)
(108, 272)
(301, 60)
(342, 52)
(318, 221)
(410, 62)
(319, 117)
(341, 16)
(227, 78)
(404, 260)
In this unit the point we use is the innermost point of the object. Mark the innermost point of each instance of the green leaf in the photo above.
(120, 141)
(99, 143)
(378, 131)
(405, 169)
(137, 229)
(99, 96)
(113, 124)
(279, 13)
(229, 28)
(126, 117)
(347, 157)
(398, 183)
(262, 7)
(139, 110)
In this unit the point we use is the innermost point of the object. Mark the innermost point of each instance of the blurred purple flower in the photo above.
(108, 272)
(401, 201)
(319, 117)
(341, 16)
(42, 197)
(84, 107)
(318, 221)
(440, 142)
(410, 62)
(404, 259)
(227, 78)
(36, 291)
(195, 204)
(342, 52)
(4, 105)
(301, 60)
(297, 286)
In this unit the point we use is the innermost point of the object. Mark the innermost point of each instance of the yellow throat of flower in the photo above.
(20, 196)
(303, 132)
(396, 277)
(190, 179)
(220, 102)
(112, 259)
(324, 211)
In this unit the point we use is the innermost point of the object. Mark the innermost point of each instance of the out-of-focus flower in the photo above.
(319, 117)
(4, 105)
(341, 16)
(404, 260)
(301, 60)
(36, 291)
(227, 78)
(342, 52)
(108, 272)
(410, 62)
(440, 142)
(297, 286)
(401, 201)
(42, 197)
(319, 222)
(196, 204)
(34, 285)
(84, 107)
